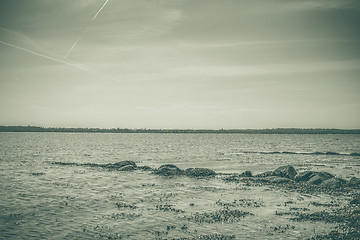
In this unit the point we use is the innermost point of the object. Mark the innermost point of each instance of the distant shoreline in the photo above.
(215, 131)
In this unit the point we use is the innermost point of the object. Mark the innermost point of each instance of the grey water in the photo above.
(40, 200)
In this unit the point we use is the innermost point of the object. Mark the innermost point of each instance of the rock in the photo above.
(122, 166)
(264, 174)
(285, 171)
(246, 174)
(355, 201)
(169, 170)
(199, 172)
(314, 178)
(319, 177)
(124, 163)
(354, 154)
(333, 183)
(126, 168)
(304, 176)
(145, 168)
(276, 179)
(354, 182)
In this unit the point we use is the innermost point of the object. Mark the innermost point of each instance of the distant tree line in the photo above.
(225, 131)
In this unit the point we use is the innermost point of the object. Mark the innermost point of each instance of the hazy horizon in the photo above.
(180, 64)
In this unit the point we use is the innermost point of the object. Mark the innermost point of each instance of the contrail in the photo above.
(82, 34)
(99, 10)
(44, 56)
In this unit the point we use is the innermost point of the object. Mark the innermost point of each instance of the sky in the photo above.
(198, 64)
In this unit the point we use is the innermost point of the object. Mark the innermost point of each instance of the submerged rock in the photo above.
(126, 168)
(276, 179)
(122, 166)
(355, 201)
(145, 168)
(199, 172)
(124, 163)
(246, 174)
(264, 174)
(354, 182)
(333, 183)
(284, 172)
(169, 170)
(304, 176)
(314, 178)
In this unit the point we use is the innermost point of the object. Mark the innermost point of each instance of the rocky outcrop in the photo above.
(314, 178)
(276, 179)
(122, 166)
(355, 201)
(199, 172)
(354, 182)
(284, 172)
(333, 183)
(246, 174)
(169, 170)
(145, 168)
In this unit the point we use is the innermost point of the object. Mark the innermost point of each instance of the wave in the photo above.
(301, 153)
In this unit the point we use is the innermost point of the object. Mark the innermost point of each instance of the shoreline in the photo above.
(344, 215)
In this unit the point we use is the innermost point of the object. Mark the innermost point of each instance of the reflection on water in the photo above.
(44, 201)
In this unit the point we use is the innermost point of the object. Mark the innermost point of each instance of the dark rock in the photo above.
(122, 166)
(145, 168)
(264, 174)
(332, 153)
(199, 172)
(246, 174)
(314, 178)
(304, 176)
(124, 163)
(354, 182)
(355, 201)
(126, 168)
(169, 170)
(91, 165)
(333, 183)
(285, 171)
(276, 179)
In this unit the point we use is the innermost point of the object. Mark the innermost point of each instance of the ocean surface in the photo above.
(41, 200)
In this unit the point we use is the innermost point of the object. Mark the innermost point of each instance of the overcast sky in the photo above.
(180, 63)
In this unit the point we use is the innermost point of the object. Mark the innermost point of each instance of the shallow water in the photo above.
(40, 200)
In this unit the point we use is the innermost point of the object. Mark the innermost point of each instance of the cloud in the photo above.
(213, 45)
(24, 43)
(266, 69)
(320, 5)
(134, 21)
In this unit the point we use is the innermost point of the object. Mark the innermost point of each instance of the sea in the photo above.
(43, 200)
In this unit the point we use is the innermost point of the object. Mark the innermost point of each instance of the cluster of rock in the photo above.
(288, 173)
(284, 174)
(164, 170)
(171, 170)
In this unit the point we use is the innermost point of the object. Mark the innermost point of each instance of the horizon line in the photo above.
(176, 129)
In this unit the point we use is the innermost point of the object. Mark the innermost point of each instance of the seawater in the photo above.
(40, 200)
